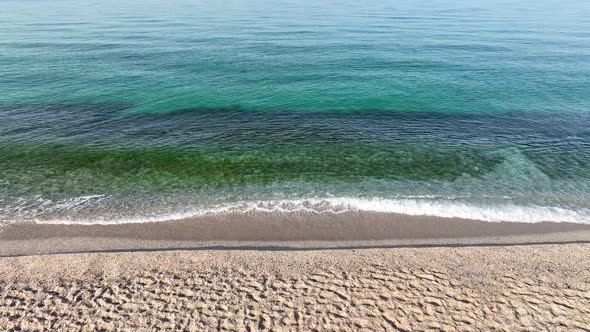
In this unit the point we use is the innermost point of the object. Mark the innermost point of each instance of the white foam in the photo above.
(407, 206)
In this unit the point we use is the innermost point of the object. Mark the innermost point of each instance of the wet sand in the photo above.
(280, 230)
(490, 276)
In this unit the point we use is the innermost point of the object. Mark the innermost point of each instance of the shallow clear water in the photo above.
(143, 110)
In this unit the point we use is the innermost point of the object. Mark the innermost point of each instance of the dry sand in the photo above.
(527, 282)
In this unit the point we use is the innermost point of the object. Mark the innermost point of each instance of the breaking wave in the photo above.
(415, 206)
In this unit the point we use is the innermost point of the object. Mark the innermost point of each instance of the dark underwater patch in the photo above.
(81, 170)
(219, 146)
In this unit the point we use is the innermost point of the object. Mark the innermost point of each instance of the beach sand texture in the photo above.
(507, 288)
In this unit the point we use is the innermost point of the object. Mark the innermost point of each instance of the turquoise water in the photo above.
(117, 111)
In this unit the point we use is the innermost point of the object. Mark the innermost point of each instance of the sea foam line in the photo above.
(411, 207)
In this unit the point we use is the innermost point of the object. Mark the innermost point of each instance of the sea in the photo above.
(149, 110)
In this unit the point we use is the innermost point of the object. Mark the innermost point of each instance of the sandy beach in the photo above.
(535, 279)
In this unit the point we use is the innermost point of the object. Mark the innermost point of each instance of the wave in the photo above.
(337, 205)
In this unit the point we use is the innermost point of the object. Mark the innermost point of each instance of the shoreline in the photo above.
(270, 231)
